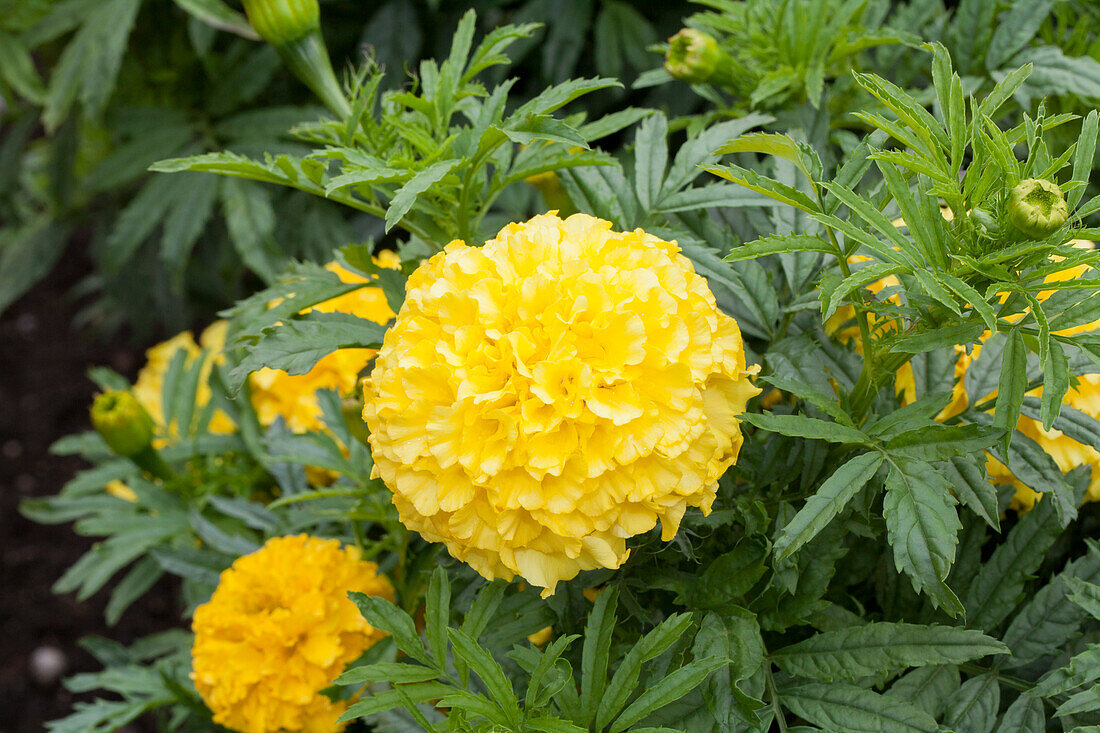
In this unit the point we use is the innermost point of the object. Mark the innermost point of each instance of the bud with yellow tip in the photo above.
(127, 429)
(695, 57)
(122, 422)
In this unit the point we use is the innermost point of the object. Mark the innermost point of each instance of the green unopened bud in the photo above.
(1037, 207)
(282, 21)
(293, 28)
(122, 422)
(694, 56)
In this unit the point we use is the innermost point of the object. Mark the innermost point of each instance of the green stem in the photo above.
(774, 695)
(864, 391)
(308, 58)
(358, 532)
(149, 460)
(1016, 683)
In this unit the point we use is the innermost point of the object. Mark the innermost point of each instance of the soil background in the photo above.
(44, 395)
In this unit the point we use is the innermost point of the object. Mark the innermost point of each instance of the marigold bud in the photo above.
(1037, 207)
(293, 28)
(124, 424)
(693, 56)
(282, 21)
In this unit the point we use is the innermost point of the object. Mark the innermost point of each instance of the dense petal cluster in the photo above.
(280, 628)
(293, 396)
(149, 386)
(544, 397)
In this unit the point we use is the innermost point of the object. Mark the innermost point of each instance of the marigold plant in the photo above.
(894, 252)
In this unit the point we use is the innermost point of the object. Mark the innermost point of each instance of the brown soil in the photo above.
(44, 394)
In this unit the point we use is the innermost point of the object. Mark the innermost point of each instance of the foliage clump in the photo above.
(896, 226)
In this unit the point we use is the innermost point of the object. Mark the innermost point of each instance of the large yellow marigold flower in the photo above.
(149, 386)
(280, 628)
(544, 397)
(292, 396)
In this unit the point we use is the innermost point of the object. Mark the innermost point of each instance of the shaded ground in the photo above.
(43, 396)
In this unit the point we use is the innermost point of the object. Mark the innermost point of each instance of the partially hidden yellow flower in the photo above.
(1085, 396)
(1065, 451)
(280, 628)
(293, 396)
(149, 386)
(543, 398)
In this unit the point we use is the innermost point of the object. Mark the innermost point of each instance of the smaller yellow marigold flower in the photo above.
(544, 397)
(1085, 396)
(293, 396)
(280, 628)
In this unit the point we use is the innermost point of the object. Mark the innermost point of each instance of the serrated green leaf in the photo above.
(998, 587)
(820, 509)
(650, 160)
(780, 243)
(973, 707)
(769, 187)
(297, 345)
(1082, 161)
(384, 616)
(1051, 618)
(938, 338)
(800, 426)
(666, 691)
(1011, 386)
(927, 687)
(437, 606)
(594, 655)
(971, 486)
(1082, 669)
(397, 673)
(1086, 701)
(841, 706)
(1025, 715)
(217, 14)
(878, 648)
(942, 442)
(625, 680)
(490, 672)
(406, 196)
(922, 527)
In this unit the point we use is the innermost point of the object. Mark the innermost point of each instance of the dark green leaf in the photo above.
(843, 707)
(827, 502)
(877, 648)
